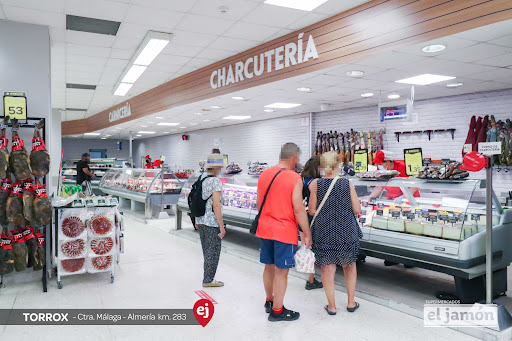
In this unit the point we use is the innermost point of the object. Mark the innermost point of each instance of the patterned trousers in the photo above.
(211, 244)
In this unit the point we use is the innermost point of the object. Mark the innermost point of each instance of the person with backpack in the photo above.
(205, 205)
(310, 173)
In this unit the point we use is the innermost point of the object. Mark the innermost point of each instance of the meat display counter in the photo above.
(142, 186)
(238, 199)
(441, 228)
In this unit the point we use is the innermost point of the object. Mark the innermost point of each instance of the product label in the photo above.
(6, 184)
(16, 189)
(432, 217)
(28, 233)
(395, 214)
(17, 144)
(40, 239)
(418, 210)
(452, 219)
(410, 216)
(380, 212)
(445, 162)
(27, 185)
(424, 214)
(89, 202)
(3, 142)
(380, 205)
(38, 144)
(40, 191)
(18, 236)
(427, 161)
(6, 242)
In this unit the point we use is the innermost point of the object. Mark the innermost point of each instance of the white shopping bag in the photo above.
(305, 260)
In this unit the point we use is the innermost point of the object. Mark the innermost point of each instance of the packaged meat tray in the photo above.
(72, 248)
(102, 223)
(101, 246)
(100, 264)
(72, 266)
(72, 224)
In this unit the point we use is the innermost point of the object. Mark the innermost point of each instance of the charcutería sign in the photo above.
(120, 113)
(284, 56)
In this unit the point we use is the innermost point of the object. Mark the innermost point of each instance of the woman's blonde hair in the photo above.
(329, 161)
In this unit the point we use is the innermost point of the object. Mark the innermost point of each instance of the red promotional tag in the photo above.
(6, 243)
(27, 184)
(203, 311)
(28, 233)
(16, 189)
(41, 191)
(18, 236)
(3, 142)
(38, 144)
(40, 239)
(17, 144)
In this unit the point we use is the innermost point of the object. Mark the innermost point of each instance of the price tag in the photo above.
(395, 214)
(445, 162)
(373, 201)
(418, 210)
(432, 218)
(15, 105)
(410, 216)
(475, 217)
(361, 160)
(427, 161)
(380, 205)
(362, 220)
(424, 214)
(380, 212)
(452, 219)
(413, 160)
(443, 217)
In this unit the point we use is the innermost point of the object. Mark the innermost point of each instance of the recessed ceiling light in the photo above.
(193, 124)
(183, 127)
(233, 117)
(207, 120)
(367, 94)
(453, 85)
(92, 134)
(103, 138)
(160, 117)
(433, 48)
(279, 105)
(166, 132)
(394, 96)
(134, 73)
(214, 107)
(138, 135)
(145, 132)
(239, 98)
(425, 79)
(123, 89)
(143, 126)
(354, 73)
(198, 113)
(268, 110)
(304, 5)
(304, 89)
(107, 135)
(168, 124)
(151, 122)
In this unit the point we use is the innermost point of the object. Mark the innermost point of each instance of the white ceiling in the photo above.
(487, 65)
(480, 58)
(202, 35)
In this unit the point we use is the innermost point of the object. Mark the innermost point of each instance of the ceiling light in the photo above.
(354, 73)
(394, 96)
(160, 117)
(304, 89)
(236, 117)
(123, 89)
(167, 124)
(193, 124)
(279, 105)
(367, 94)
(138, 135)
(134, 73)
(92, 134)
(425, 79)
(145, 132)
(143, 126)
(103, 138)
(239, 98)
(151, 49)
(214, 107)
(207, 120)
(183, 127)
(198, 113)
(268, 110)
(453, 85)
(166, 132)
(304, 5)
(433, 48)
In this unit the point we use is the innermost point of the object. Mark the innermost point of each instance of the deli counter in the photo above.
(440, 228)
(143, 186)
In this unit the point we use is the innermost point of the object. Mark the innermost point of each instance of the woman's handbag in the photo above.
(254, 225)
(329, 190)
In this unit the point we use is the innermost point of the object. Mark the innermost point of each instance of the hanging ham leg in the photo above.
(19, 158)
(39, 157)
(4, 153)
(42, 206)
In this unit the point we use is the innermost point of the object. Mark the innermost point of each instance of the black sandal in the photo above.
(328, 311)
(351, 310)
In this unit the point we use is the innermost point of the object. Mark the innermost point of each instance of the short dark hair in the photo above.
(86, 154)
(215, 151)
(311, 168)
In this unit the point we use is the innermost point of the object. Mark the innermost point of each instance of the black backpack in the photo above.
(196, 204)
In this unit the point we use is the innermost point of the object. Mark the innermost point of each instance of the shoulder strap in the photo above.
(268, 189)
(329, 190)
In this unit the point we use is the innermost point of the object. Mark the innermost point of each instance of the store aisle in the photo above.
(161, 270)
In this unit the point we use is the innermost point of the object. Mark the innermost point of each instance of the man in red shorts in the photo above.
(277, 229)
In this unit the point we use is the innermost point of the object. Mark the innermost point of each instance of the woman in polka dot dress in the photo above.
(335, 230)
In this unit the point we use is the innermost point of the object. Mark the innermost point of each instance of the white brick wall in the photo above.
(439, 113)
(74, 148)
(257, 141)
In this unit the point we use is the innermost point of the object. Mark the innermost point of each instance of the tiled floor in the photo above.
(162, 270)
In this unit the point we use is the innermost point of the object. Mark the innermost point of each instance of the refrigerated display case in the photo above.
(238, 199)
(443, 229)
(143, 185)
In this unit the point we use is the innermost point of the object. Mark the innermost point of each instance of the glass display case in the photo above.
(140, 184)
(238, 198)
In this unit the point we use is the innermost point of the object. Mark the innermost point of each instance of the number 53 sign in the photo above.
(15, 105)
